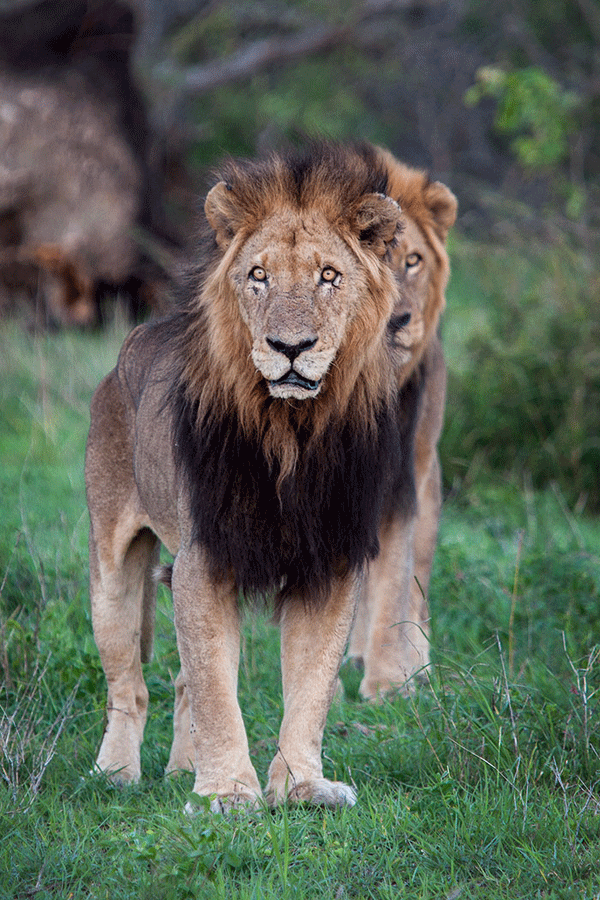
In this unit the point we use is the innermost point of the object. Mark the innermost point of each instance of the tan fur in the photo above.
(390, 635)
(345, 372)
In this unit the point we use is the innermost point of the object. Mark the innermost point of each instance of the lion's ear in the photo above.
(223, 213)
(378, 220)
(443, 206)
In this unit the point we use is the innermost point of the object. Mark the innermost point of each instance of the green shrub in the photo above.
(533, 110)
(525, 396)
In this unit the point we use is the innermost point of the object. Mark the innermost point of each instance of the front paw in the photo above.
(119, 754)
(316, 791)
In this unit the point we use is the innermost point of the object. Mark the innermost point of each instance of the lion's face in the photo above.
(417, 268)
(298, 287)
(419, 257)
(313, 287)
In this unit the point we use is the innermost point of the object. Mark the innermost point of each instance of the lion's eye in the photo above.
(331, 276)
(258, 274)
(412, 260)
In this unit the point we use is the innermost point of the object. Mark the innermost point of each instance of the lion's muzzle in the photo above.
(292, 378)
(292, 369)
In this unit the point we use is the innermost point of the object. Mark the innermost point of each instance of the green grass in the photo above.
(484, 784)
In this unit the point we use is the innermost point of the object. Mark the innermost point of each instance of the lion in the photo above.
(276, 433)
(390, 637)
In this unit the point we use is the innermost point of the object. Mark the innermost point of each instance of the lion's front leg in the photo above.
(312, 646)
(208, 638)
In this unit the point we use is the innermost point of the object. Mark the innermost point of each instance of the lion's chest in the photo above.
(324, 519)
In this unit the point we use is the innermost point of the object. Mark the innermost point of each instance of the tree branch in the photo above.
(254, 58)
(258, 55)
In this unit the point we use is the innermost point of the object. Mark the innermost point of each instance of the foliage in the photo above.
(525, 395)
(297, 105)
(533, 110)
(539, 117)
(400, 74)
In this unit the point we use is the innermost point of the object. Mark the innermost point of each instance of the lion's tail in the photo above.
(155, 575)
(164, 575)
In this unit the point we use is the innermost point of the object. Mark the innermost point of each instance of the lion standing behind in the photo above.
(277, 433)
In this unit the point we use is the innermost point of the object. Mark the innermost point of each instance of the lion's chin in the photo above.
(294, 386)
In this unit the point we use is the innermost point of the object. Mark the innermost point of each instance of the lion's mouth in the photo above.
(294, 379)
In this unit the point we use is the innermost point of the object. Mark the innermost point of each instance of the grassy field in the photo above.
(484, 784)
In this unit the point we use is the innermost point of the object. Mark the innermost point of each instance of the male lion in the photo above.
(390, 633)
(275, 433)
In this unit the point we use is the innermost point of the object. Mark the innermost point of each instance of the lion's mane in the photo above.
(288, 495)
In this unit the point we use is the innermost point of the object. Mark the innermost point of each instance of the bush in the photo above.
(526, 398)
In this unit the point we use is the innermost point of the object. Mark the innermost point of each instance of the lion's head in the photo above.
(299, 298)
(419, 257)
(300, 288)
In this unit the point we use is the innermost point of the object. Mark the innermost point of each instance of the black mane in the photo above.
(323, 521)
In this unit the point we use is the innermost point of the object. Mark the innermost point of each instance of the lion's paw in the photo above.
(180, 761)
(377, 688)
(117, 775)
(119, 756)
(318, 792)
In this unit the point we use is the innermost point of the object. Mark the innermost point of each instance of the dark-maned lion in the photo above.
(276, 433)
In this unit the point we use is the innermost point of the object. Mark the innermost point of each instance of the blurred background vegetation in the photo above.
(500, 100)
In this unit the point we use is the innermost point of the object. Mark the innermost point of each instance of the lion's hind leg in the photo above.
(392, 633)
(392, 642)
(182, 755)
(119, 593)
(123, 555)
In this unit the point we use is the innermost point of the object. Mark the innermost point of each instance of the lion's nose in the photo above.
(291, 350)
